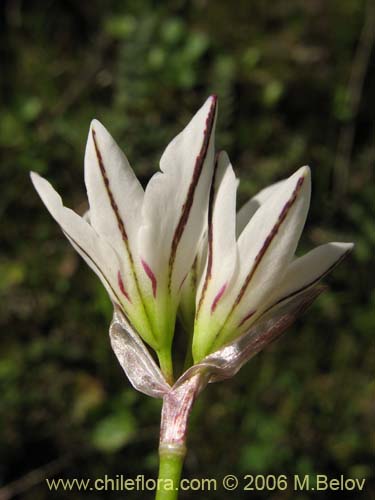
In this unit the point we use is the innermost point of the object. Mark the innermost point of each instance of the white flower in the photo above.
(250, 264)
(180, 243)
(140, 243)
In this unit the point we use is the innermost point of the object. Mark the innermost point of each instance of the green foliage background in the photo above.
(282, 71)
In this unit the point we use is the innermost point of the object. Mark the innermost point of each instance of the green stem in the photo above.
(188, 362)
(170, 468)
(166, 365)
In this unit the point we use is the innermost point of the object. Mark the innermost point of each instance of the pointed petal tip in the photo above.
(33, 176)
(97, 126)
(211, 102)
(222, 156)
(336, 248)
(304, 172)
(303, 180)
(224, 160)
(94, 122)
(100, 131)
(38, 181)
(229, 172)
(47, 193)
(342, 246)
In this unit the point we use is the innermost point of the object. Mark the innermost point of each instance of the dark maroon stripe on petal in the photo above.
(112, 200)
(194, 274)
(312, 283)
(120, 222)
(114, 206)
(182, 282)
(263, 250)
(283, 214)
(151, 275)
(186, 207)
(248, 316)
(122, 287)
(192, 277)
(218, 297)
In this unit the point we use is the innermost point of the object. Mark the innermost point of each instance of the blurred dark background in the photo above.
(295, 86)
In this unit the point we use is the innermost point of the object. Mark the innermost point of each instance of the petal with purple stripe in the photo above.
(221, 260)
(173, 213)
(309, 269)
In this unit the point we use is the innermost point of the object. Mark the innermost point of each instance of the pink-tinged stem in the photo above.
(177, 405)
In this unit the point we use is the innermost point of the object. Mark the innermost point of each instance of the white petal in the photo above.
(221, 240)
(115, 197)
(250, 207)
(114, 192)
(307, 270)
(221, 255)
(99, 255)
(86, 217)
(268, 243)
(226, 361)
(190, 286)
(186, 307)
(96, 252)
(175, 204)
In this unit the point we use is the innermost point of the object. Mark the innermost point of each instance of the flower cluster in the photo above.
(178, 247)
